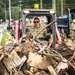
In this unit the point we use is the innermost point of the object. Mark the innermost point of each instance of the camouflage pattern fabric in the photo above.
(35, 30)
(72, 31)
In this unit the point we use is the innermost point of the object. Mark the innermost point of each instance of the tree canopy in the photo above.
(15, 8)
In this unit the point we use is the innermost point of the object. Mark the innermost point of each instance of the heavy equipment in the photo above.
(46, 16)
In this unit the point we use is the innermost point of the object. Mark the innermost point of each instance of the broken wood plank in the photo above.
(37, 61)
(1, 57)
(51, 70)
(72, 57)
(13, 61)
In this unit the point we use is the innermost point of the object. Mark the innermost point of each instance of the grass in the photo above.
(5, 36)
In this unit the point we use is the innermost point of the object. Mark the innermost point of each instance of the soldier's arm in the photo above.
(30, 25)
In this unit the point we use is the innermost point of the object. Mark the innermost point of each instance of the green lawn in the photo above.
(5, 36)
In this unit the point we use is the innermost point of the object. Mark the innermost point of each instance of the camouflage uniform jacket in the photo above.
(72, 31)
(35, 30)
(72, 27)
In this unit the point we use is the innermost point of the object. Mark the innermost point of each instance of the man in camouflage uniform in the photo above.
(72, 30)
(36, 28)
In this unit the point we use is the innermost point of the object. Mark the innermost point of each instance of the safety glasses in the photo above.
(36, 21)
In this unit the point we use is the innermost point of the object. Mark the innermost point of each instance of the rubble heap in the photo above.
(33, 58)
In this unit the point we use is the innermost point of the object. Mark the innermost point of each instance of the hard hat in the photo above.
(74, 20)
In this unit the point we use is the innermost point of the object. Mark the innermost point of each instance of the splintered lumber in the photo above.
(72, 57)
(67, 60)
(69, 43)
(51, 70)
(3, 69)
(71, 64)
(13, 61)
(50, 41)
(27, 73)
(1, 57)
(42, 72)
(37, 61)
(17, 49)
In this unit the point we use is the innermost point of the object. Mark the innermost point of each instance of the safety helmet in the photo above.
(74, 20)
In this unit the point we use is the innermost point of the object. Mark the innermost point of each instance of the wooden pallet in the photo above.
(13, 61)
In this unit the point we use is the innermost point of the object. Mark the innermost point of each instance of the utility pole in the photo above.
(41, 4)
(61, 7)
(13, 11)
(55, 25)
(54, 4)
(5, 11)
(20, 5)
(10, 11)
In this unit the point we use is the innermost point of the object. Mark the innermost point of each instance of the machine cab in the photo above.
(45, 15)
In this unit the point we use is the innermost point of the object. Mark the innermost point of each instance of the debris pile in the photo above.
(33, 58)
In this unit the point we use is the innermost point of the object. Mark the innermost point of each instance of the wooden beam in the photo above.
(51, 70)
